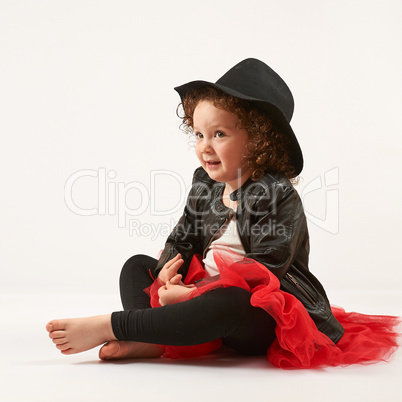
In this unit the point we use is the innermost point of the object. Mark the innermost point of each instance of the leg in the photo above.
(134, 278)
(80, 334)
(222, 313)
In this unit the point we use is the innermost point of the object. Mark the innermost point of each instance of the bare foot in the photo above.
(115, 350)
(75, 335)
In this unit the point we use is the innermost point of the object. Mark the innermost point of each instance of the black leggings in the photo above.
(221, 313)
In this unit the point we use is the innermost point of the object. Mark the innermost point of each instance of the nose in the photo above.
(207, 146)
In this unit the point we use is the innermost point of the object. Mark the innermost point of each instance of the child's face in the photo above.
(221, 145)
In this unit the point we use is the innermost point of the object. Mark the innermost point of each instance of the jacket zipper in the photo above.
(301, 288)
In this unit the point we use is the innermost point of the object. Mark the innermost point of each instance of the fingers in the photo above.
(174, 293)
(176, 280)
(161, 293)
(170, 269)
(165, 293)
(172, 261)
(161, 290)
(174, 267)
(191, 285)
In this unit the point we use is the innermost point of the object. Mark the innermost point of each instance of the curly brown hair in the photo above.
(267, 148)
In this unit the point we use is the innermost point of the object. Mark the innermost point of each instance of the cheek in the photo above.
(236, 154)
(198, 151)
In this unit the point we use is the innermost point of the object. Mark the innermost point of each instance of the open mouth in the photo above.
(212, 164)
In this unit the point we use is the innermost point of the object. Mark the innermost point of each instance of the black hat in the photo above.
(254, 81)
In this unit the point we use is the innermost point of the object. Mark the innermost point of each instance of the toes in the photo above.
(59, 341)
(57, 334)
(54, 325)
(63, 346)
(68, 352)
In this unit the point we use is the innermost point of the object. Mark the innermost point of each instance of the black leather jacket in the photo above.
(273, 231)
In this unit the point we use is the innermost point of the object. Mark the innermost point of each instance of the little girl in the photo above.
(234, 270)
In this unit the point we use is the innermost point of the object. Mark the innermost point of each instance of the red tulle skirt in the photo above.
(298, 344)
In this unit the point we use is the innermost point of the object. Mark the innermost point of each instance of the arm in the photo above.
(278, 229)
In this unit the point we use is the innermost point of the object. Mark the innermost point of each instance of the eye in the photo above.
(199, 136)
(220, 134)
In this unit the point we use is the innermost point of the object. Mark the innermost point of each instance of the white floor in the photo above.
(31, 369)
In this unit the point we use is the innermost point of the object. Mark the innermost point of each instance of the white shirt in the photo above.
(226, 240)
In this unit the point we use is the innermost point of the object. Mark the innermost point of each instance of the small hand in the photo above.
(174, 291)
(170, 269)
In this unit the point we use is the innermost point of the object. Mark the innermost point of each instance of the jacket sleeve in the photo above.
(278, 228)
(185, 237)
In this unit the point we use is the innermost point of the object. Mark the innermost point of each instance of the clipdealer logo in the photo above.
(112, 199)
(327, 189)
(112, 195)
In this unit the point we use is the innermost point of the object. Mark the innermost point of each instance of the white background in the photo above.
(88, 85)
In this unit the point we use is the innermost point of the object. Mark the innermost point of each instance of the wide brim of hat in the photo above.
(278, 117)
